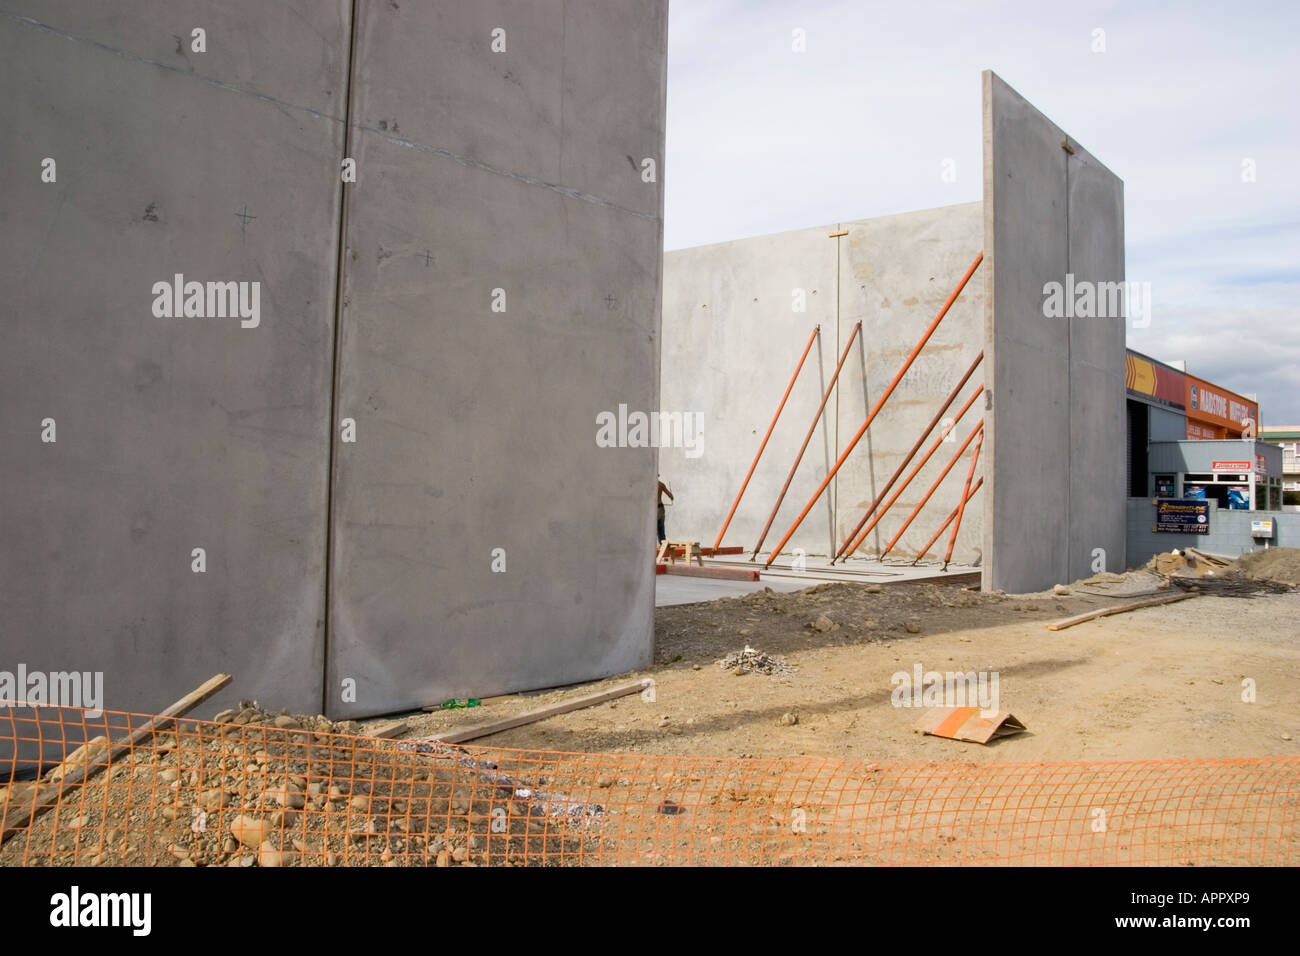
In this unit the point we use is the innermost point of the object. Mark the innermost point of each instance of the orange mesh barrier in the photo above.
(229, 794)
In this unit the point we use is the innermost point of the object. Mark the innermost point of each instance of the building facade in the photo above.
(1288, 437)
(1166, 404)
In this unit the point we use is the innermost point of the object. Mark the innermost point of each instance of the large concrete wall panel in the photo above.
(898, 272)
(1056, 429)
(172, 433)
(732, 339)
(476, 428)
(1098, 422)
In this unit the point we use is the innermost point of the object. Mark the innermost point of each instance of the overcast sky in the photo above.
(762, 139)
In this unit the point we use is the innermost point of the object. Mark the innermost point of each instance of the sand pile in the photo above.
(1275, 564)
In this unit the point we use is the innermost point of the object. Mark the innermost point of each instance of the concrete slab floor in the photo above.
(673, 589)
(867, 570)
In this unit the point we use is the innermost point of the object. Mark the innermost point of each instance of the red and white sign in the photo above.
(1260, 465)
(1230, 465)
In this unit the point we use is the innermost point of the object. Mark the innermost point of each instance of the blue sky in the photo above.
(762, 139)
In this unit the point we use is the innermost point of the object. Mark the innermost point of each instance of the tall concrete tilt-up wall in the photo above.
(378, 485)
(164, 476)
(1055, 502)
(1052, 505)
(737, 316)
(482, 541)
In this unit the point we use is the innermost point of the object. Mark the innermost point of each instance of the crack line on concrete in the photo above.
(33, 24)
(510, 174)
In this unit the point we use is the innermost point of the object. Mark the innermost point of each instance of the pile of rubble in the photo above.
(1230, 583)
(1274, 571)
(751, 661)
(256, 788)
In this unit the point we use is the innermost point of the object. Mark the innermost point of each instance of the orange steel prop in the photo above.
(952, 396)
(947, 521)
(914, 472)
(807, 438)
(907, 363)
(961, 504)
(977, 430)
(807, 348)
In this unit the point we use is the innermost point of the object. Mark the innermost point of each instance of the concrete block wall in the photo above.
(327, 559)
(1229, 532)
(732, 339)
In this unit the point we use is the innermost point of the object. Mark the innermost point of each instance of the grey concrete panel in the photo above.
(476, 429)
(1098, 421)
(899, 271)
(546, 107)
(732, 339)
(1057, 425)
(1097, 462)
(172, 433)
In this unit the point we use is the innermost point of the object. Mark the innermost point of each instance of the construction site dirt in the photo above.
(1154, 683)
(775, 728)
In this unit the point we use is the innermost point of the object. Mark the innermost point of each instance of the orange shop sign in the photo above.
(1209, 403)
(1230, 466)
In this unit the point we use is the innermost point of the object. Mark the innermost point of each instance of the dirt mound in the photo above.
(258, 788)
(1275, 564)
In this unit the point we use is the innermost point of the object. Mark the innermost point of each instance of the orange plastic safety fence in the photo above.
(229, 794)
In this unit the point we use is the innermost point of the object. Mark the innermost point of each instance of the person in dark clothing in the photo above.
(662, 511)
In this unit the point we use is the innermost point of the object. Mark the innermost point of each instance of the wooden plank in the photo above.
(396, 728)
(711, 552)
(1116, 609)
(952, 578)
(672, 550)
(475, 731)
(712, 571)
(48, 797)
